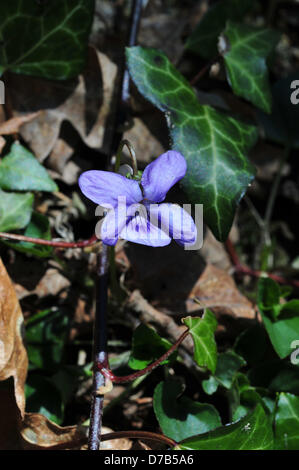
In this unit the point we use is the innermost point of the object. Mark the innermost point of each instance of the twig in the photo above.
(139, 435)
(100, 335)
(128, 378)
(41, 241)
(242, 269)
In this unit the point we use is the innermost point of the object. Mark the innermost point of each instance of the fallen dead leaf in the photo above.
(145, 144)
(38, 432)
(216, 289)
(85, 102)
(13, 125)
(13, 356)
(51, 283)
(115, 444)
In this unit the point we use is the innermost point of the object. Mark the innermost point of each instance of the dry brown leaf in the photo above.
(115, 444)
(51, 283)
(145, 144)
(38, 432)
(12, 126)
(216, 289)
(13, 356)
(85, 102)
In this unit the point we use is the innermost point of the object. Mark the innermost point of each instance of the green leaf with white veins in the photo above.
(202, 331)
(47, 39)
(253, 432)
(287, 422)
(15, 210)
(245, 50)
(214, 145)
(21, 171)
(203, 40)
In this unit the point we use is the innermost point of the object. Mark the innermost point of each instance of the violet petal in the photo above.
(160, 175)
(104, 188)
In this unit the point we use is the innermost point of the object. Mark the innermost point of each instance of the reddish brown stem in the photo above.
(40, 241)
(242, 269)
(139, 435)
(128, 378)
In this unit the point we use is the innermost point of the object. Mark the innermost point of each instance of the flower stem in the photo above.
(140, 435)
(100, 327)
(102, 366)
(99, 351)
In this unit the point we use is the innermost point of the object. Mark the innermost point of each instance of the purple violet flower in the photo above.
(135, 214)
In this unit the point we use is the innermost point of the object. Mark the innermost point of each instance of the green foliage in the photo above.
(228, 364)
(275, 375)
(51, 37)
(50, 382)
(253, 432)
(21, 171)
(43, 397)
(287, 422)
(202, 331)
(15, 210)
(38, 227)
(203, 40)
(245, 50)
(213, 144)
(180, 417)
(46, 333)
(245, 397)
(281, 320)
(147, 347)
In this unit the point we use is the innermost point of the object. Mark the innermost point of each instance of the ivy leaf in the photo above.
(275, 375)
(287, 422)
(147, 347)
(213, 144)
(21, 171)
(281, 320)
(180, 417)
(203, 40)
(52, 37)
(228, 364)
(253, 432)
(15, 210)
(38, 227)
(245, 50)
(202, 331)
